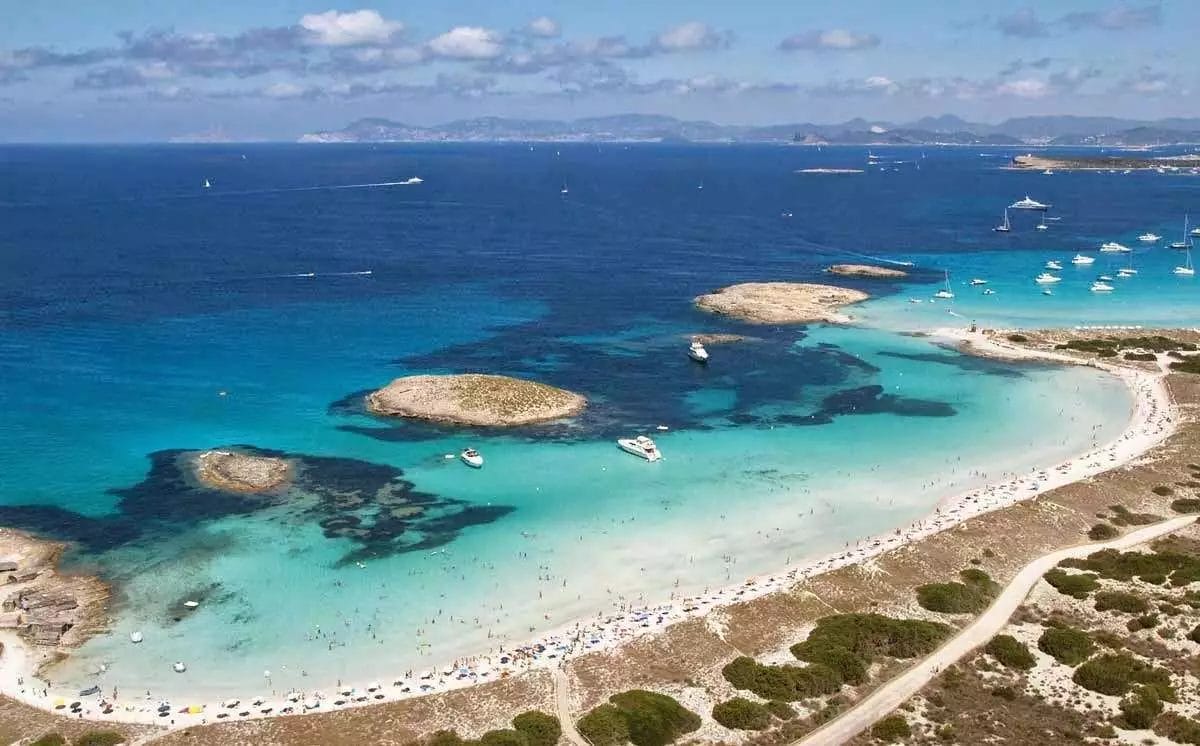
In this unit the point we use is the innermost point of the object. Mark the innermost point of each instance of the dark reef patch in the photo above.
(969, 363)
(368, 504)
(869, 400)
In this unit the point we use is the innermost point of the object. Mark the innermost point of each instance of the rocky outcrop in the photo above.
(781, 302)
(474, 399)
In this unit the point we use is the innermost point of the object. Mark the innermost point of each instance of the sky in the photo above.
(149, 70)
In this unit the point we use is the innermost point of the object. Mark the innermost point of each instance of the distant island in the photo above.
(781, 302)
(866, 270)
(1104, 163)
(943, 130)
(474, 399)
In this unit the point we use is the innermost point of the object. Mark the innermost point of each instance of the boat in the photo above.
(1046, 278)
(978, 281)
(1186, 243)
(1101, 287)
(1004, 227)
(1048, 172)
(1187, 270)
(697, 352)
(915, 300)
(1104, 278)
(1081, 259)
(93, 689)
(1149, 237)
(1112, 247)
(1052, 264)
(412, 180)
(641, 446)
(191, 604)
(472, 458)
(136, 637)
(989, 291)
(1041, 226)
(1029, 204)
(179, 666)
(945, 292)
(1047, 292)
(1195, 232)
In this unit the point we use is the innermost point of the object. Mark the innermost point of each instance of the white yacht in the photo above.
(1046, 278)
(640, 446)
(412, 181)
(1149, 237)
(1112, 247)
(1126, 272)
(136, 637)
(1081, 259)
(1041, 226)
(1029, 204)
(697, 352)
(472, 458)
(989, 291)
(1048, 172)
(564, 190)
(207, 184)
(1004, 227)
(1052, 264)
(1194, 232)
(1187, 270)
(945, 292)
(179, 666)
(1105, 278)
(1101, 287)
(1186, 243)
(978, 281)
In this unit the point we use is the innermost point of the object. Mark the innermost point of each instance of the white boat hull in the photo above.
(475, 462)
(628, 445)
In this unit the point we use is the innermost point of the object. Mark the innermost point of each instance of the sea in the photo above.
(144, 317)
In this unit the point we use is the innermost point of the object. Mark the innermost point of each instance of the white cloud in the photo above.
(833, 40)
(690, 36)
(283, 91)
(1024, 88)
(468, 43)
(543, 26)
(335, 29)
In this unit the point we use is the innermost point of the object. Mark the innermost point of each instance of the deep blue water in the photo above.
(142, 316)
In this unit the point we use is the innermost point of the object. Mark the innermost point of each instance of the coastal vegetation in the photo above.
(1066, 645)
(1103, 532)
(474, 399)
(531, 728)
(740, 713)
(1117, 673)
(1073, 584)
(1155, 343)
(1178, 568)
(1011, 652)
(1186, 505)
(100, 738)
(970, 596)
(639, 717)
(847, 643)
(1189, 365)
(891, 729)
(1122, 516)
(783, 682)
(1177, 728)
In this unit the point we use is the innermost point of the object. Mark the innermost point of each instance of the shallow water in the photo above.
(135, 299)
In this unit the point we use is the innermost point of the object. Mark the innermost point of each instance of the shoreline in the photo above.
(1151, 421)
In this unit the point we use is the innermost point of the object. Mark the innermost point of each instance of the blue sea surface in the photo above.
(144, 317)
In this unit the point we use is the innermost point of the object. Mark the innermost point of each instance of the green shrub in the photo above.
(1123, 516)
(781, 710)
(871, 635)
(604, 726)
(1004, 692)
(1194, 635)
(1102, 532)
(1139, 709)
(1162, 490)
(1145, 621)
(742, 714)
(968, 597)
(1075, 585)
(1126, 603)
(1186, 505)
(100, 738)
(1179, 568)
(1011, 652)
(1177, 728)
(1066, 645)
(891, 728)
(506, 737)
(50, 739)
(654, 719)
(1190, 365)
(1017, 338)
(849, 666)
(538, 728)
(786, 683)
(444, 738)
(1115, 673)
(1145, 357)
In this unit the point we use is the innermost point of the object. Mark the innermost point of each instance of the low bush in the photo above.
(538, 728)
(786, 683)
(742, 714)
(1188, 365)
(1066, 645)
(781, 710)
(443, 738)
(1073, 584)
(1162, 490)
(1178, 567)
(1144, 357)
(847, 643)
(100, 738)
(1145, 621)
(1194, 635)
(1186, 505)
(1017, 338)
(891, 729)
(968, 597)
(1011, 652)
(1140, 708)
(638, 716)
(849, 666)
(1123, 516)
(1126, 603)
(50, 739)
(502, 737)
(1115, 674)
(1177, 728)
(604, 726)
(1103, 531)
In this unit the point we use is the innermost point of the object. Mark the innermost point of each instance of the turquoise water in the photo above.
(140, 319)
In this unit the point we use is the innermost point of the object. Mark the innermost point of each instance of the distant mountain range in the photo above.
(946, 129)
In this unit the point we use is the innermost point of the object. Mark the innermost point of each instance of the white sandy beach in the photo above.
(1152, 421)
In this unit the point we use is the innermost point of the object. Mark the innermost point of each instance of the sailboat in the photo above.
(1187, 270)
(1186, 243)
(945, 292)
(1041, 226)
(207, 184)
(564, 190)
(1004, 227)
(1127, 271)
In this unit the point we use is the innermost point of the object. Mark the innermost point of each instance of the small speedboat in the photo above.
(207, 184)
(978, 281)
(191, 604)
(1112, 247)
(94, 689)
(989, 291)
(1053, 264)
(641, 446)
(412, 181)
(1126, 272)
(1149, 237)
(697, 352)
(472, 458)
(1046, 278)
(1047, 292)
(1101, 287)
(136, 637)
(1081, 259)
(1105, 278)
(915, 300)
(179, 666)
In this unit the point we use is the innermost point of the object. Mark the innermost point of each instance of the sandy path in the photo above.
(562, 706)
(894, 693)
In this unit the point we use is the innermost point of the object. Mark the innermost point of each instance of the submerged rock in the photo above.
(866, 270)
(474, 399)
(236, 471)
(781, 302)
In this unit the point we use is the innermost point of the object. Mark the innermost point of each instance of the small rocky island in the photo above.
(235, 471)
(474, 399)
(866, 270)
(781, 302)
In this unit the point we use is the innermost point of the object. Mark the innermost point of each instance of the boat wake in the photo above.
(306, 275)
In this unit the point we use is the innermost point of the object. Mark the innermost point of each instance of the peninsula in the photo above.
(781, 302)
(474, 399)
(234, 471)
(866, 270)
(1104, 163)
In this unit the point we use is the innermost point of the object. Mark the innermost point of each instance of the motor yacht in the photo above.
(978, 281)
(697, 352)
(1149, 237)
(1029, 204)
(1053, 264)
(989, 291)
(472, 458)
(1101, 287)
(1081, 259)
(1112, 247)
(1105, 278)
(1046, 278)
(641, 446)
